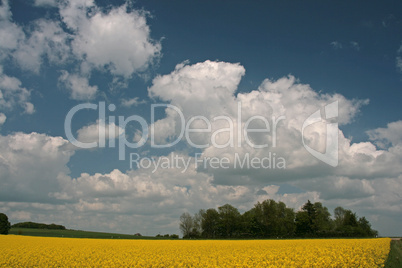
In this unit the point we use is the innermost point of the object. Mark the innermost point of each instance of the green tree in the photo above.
(4, 224)
(229, 221)
(286, 220)
(365, 227)
(303, 227)
(250, 225)
(306, 220)
(322, 222)
(209, 223)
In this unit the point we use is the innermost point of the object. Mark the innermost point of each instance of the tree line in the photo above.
(271, 219)
(35, 225)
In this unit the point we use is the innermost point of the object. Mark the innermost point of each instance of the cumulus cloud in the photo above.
(163, 190)
(208, 89)
(91, 132)
(383, 137)
(3, 118)
(78, 86)
(10, 33)
(12, 94)
(30, 164)
(30, 45)
(118, 41)
(46, 38)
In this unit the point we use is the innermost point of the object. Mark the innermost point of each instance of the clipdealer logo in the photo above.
(238, 132)
(330, 156)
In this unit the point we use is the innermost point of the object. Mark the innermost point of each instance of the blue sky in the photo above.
(282, 58)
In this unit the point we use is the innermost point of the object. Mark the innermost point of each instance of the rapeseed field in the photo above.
(25, 251)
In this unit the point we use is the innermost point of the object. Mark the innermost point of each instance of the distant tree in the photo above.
(209, 223)
(274, 219)
(250, 226)
(365, 228)
(197, 225)
(286, 220)
(303, 226)
(4, 224)
(306, 220)
(186, 224)
(323, 223)
(229, 221)
(339, 214)
(35, 225)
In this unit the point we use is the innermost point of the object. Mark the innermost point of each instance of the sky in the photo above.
(119, 116)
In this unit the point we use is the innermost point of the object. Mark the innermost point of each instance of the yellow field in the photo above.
(24, 251)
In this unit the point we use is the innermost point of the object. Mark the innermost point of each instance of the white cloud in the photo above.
(78, 86)
(10, 33)
(389, 135)
(166, 192)
(118, 41)
(3, 118)
(90, 133)
(46, 38)
(30, 164)
(208, 89)
(338, 187)
(131, 102)
(45, 3)
(28, 46)
(74, 12)
(336, 45)
(13, 94)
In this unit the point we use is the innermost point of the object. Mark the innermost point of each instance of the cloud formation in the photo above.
(78, 86)
(35, 171)
(12, 94)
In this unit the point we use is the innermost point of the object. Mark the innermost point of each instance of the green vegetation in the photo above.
(54, 230)
(167, 236)
(271, 219)
(395, 255)
(4, 224)
(72, 233)
(34, 225)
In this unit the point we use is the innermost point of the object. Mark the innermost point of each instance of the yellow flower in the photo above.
(24, 251)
